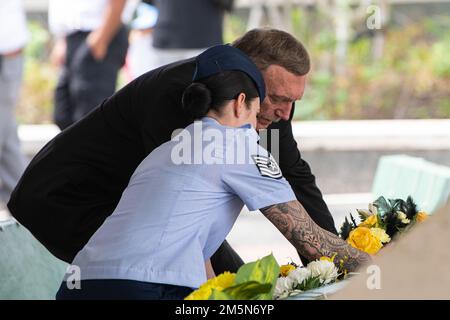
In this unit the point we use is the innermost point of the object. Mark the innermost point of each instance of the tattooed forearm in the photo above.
(309, 239)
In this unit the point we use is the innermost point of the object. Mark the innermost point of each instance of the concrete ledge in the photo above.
(34, 137)
(352, 199)
(373, 135)
(320, 135)
(4, 217)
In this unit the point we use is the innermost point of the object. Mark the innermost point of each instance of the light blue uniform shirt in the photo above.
(173, 216)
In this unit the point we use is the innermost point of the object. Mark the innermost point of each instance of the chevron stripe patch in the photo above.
(267, 166)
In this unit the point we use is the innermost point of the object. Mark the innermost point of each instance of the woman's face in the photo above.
(252, 111)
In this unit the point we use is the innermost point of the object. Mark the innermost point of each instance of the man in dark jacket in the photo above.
(77, 179)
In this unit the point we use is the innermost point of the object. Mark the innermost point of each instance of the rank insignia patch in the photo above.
(267, 166)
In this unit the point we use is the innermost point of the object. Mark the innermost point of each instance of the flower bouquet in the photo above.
(265, 279)
(253, 281)
(295, 280)
(383, 221)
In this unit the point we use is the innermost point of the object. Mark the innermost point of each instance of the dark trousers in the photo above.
(226, 259)
(85, 82)
(122, 290)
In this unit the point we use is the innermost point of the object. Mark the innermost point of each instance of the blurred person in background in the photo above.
(91, 45)
(141, 56)
(186, 28)
(13, 38)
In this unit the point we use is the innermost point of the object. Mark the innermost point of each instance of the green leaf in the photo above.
(264, 271)
(219, 295)
(310, 283)
(382, 206)
(346, 228)
(381, 221)
(363, 214)
(411, 208)
(353, 221)
(250, 290)
(397, 205)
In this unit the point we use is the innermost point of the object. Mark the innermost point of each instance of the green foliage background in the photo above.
(410, 80)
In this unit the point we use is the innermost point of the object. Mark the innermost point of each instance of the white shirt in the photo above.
(172, 216)
(68, 16)
(13, 27)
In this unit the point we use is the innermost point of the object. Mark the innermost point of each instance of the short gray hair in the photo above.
(274, 47)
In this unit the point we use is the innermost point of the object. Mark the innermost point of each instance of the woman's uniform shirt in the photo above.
(181, 203)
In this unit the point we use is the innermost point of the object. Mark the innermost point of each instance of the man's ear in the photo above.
(239, 104)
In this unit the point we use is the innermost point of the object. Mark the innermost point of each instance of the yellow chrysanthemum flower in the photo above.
(361, 238)
(371, 221)
(286, 269)
(223, 280)
(201, 293)
(219, 283)
(380, 234)
(421, 216)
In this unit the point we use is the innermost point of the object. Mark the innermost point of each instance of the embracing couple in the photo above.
(105, 194)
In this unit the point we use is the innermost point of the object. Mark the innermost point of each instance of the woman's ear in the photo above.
(239, 104)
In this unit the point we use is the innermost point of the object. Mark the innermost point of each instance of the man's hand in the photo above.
(98, 44)
(98, 40)
(309, 239)
(58, 54)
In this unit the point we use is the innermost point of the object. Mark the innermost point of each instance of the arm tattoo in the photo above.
(309, 239)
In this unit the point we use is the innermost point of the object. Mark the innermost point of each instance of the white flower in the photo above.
(299, 275)
(402, 216)
(325, 270)
(284, 286)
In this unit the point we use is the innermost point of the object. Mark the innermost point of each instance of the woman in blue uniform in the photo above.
(184, 198)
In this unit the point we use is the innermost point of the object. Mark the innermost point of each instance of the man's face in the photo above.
(282, 89)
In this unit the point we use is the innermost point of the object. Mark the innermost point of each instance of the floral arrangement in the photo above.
(294, 279)
(253, 281)
(265, 279)
(383, 220)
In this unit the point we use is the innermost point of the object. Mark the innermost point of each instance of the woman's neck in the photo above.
(224, 120)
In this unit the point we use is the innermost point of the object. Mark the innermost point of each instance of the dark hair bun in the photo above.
(197, 100)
